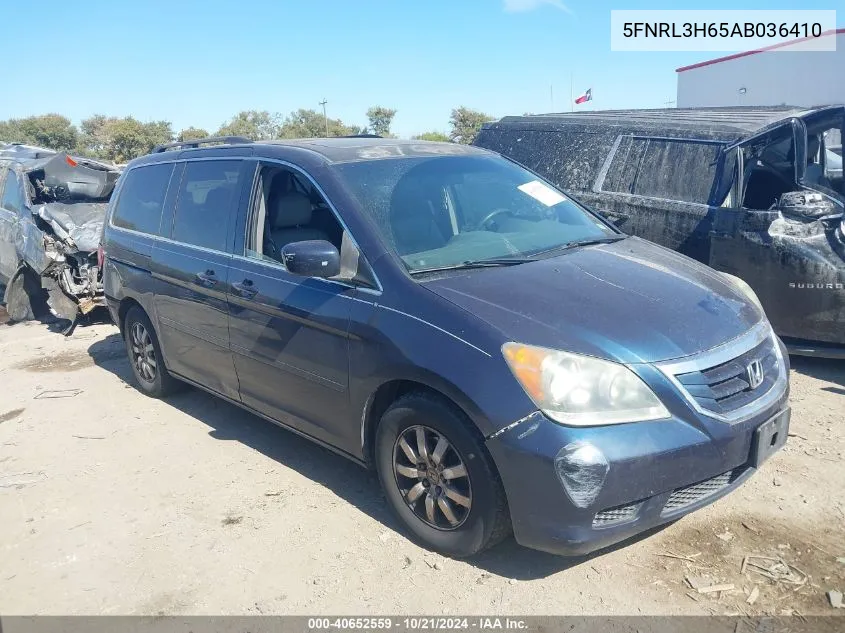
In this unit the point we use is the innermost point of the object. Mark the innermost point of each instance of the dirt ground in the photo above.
(114, 503)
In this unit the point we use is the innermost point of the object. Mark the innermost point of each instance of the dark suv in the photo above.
(502, 356)
(756, 192)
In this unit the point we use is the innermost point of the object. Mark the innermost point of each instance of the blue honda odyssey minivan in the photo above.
(505, 359)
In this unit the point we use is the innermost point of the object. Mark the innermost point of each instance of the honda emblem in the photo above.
(755, 374)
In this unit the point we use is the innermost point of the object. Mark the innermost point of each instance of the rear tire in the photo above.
(145, 358)
(438, 478)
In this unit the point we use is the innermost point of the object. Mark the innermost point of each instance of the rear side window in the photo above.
(141, 198)
(12, 194)
(673, 169)
(208, 197)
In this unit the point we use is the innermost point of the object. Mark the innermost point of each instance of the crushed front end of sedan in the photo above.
(51, 216)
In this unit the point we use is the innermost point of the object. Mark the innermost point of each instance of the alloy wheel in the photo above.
(432, 477)
(143, 352)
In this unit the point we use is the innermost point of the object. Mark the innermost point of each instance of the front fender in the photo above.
(396, 345)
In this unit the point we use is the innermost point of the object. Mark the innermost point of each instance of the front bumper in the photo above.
(658, 472)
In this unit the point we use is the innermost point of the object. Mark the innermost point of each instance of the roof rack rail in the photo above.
(196, 142)
(362, 136)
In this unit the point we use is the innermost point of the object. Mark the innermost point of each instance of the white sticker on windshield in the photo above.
(541, 192)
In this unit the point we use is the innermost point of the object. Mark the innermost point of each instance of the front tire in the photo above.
(438, 478)
(144, 351)
(25, 298)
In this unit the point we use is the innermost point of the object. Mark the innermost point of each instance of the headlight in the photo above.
(745, 289)
(581, 390)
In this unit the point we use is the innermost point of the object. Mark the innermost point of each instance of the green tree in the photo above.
(9, 131)
(123, 139)
(311, 124)
(190, 133)
(466, 124)
(52, 131)
(252, 124)
(158, 132)
(432, 136)
(92, 140)
(128, 138)
(380, 119)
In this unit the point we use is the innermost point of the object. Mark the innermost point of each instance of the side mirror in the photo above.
(805, 204)
(312, 258)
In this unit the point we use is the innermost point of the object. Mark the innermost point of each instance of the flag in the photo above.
(587, 96)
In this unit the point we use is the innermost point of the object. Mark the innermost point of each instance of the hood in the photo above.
(630, 301)
(77, 224)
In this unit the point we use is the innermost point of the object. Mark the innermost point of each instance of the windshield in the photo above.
(444, 211)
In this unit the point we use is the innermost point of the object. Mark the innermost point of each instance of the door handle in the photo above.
(245, 288)
(207, 278)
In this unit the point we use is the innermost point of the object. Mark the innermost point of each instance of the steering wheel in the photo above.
(491, 215)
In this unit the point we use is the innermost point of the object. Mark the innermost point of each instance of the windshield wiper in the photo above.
(477, 263)
(575, 244)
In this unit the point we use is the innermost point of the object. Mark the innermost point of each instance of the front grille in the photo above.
(619, 514)
(683, 497)
(726, 387)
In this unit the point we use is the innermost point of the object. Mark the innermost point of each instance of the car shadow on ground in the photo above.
(827, 369)
(356, 485)
(57, 324)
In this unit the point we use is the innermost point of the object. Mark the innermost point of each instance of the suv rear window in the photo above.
(141, 198)
(207, 200)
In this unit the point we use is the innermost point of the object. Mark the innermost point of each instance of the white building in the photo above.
(774, 75)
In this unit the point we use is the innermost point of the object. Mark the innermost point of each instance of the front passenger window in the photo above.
(288, 209)
(208, 198)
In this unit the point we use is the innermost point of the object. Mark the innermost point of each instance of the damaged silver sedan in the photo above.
(52, 207)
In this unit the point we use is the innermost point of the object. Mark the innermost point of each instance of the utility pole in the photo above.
(325, 118)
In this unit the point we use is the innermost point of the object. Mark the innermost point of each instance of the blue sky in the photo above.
(198, 63)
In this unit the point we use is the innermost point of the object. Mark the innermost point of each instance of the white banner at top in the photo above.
(723, 30)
